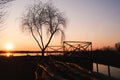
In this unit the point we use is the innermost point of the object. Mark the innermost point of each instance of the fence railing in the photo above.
(68, 46)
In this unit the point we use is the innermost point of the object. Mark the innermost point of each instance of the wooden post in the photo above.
(109, 74)
(64, 47)
(91, 46)
(97, 67)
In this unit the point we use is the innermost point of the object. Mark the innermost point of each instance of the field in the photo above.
(24, 67)
(51, 67)
(17, 68)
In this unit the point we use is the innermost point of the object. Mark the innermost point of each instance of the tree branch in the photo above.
(36, 39)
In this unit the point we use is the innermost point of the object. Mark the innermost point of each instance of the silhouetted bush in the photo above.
(117, 46)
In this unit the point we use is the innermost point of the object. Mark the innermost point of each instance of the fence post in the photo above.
(109, 74)
(97, 67)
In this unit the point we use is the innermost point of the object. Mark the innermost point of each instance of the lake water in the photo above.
(25, 54)
(115, 72)
(18, 54)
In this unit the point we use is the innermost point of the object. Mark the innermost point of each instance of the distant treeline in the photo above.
(110, 49)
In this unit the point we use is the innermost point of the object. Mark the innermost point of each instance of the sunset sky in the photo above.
(97, 21)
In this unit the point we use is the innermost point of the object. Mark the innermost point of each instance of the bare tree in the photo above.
(117, 46)
(41, 19)
(2, 6)
(4, 1)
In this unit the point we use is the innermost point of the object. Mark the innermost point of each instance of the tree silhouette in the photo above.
(4, 1)
(117, 46)
(43, 19)
(2, 6)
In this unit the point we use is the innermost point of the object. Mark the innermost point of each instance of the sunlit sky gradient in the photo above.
(97, 21)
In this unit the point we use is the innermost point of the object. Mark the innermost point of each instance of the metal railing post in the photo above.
(97, 68)
(109, 73)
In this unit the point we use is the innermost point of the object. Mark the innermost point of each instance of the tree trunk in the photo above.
(43, 51)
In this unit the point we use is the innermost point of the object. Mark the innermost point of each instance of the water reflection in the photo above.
(18, 54)
(27, 54)
(115, 72)
(8, 54)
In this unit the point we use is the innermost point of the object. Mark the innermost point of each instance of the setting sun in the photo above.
(9, 46)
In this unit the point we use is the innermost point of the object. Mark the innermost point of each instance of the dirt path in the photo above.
(16, 69)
